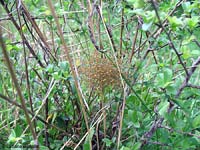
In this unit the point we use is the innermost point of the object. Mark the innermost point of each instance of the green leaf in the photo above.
(56, 75)
(160, 79)
(64, 66)
(88, 140)
(136, 11)
(186, 7)
(50, 68)
(12, 47)
(137, 146)
(171, 88)
(139, 4)
(195, 52)
(196, 122)
(146, 26)
(189, 52)
(167, 75)
(188, 40)
(163, 106)
(44, 148)
(132, 115)
(12, 137)
(18, 131)
(125, 148)
(164, 79)
(108, 142)
(175, 22)
(136, 3)
(192, 22)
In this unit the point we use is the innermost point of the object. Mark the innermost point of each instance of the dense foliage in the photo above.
(120, 74)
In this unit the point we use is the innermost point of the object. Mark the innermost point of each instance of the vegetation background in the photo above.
(99, 75)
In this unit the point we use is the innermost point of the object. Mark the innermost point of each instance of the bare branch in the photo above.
(193, 86)
(191, 71)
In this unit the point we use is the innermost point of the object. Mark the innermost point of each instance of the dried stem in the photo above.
(19, 92)
(70, 63)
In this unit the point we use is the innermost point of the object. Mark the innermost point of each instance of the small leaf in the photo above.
(195, 52)
(88, 140)
(56, 75)
(107, 141)
(192, 22)
(136, 3)
(160, 79)
(43, 147)
(125, 148)
(146, 26)
(186, 52)
(12, 137)
(175, 22)
(136, 11)
(167, 75)
(164, 79)
(139, 4)
(18, 131)
(188, 40)
(64, 65)
(132, 115)
(50, 68)
(163, 108)
(196, 122)
(186, 6)
(137, 146)
(47, 12)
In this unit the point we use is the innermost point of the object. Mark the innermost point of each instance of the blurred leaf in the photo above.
(163, 106)
(18, 130)
(146, 26)
(132, 115)
(192, 22)
(125, 148)
(196, 122)
(137, 146)
(50, 68)
(186, 6)
(88, 140)
(175, 22)
(164, 79)
(12, 137)
(107, 141)
(136, 3)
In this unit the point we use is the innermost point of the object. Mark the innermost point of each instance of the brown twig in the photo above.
(134, 41)
(121, 33)
(193, 86)
(35, 26)
(91, 28)
(109, 31)
(26, 66)
(187, 78)
(171, 44)
(70, 63)
(186, 133)
(23, 36)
